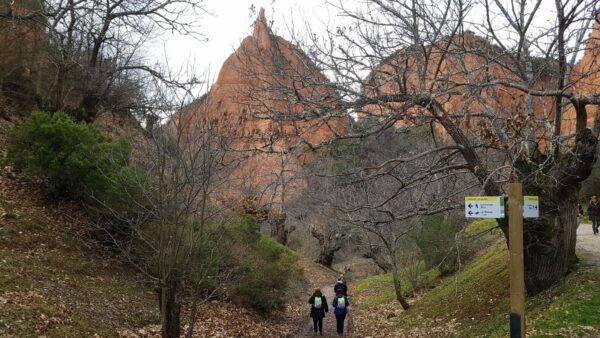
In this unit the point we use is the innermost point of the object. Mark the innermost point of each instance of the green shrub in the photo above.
(245, 229)
(436, 239)
(262, 287)
(269, 249)
(76, 159)
(266, 269)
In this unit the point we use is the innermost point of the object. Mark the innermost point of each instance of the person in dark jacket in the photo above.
(579, 213)
(594, 213)
(340, 285)
(318, 307)
(340, 305)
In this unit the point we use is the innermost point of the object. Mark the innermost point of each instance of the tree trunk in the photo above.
(278, 229)
(398, 289)
(549, 242)
(326, 256)
(328, 245)
(170, 309)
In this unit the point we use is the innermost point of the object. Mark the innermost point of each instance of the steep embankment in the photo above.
(54, 283)
(475, 302)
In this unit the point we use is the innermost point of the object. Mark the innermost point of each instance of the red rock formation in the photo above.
(262, 99)
(585, 79)
(21, 55)
(21, 41)
(464, 61)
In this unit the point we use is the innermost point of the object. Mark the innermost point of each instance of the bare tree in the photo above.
(93, 58)
(169, 200)
(495, 99)
(330, 238)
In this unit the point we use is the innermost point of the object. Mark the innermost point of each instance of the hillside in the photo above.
(55, 281)
(475, 302)
(130, 207)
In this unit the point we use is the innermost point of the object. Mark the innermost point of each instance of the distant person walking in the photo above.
(579, 213)
(340, 304)
(318, 308)
(594, 213)
(340, 285)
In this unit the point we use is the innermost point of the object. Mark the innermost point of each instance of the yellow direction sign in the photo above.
(484, 207)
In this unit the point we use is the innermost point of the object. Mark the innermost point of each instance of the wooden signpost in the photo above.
(517, 273)
(519, 207)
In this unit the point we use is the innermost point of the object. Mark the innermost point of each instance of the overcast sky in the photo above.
(230, 22)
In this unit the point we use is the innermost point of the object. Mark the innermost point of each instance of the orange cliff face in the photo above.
(268, 97)
(22, 59)
(585, 80)
(21, 41)
(467, 61)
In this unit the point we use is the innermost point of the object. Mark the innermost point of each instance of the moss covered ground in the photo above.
(475, 303)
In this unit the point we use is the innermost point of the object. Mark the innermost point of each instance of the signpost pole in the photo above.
(517, 273)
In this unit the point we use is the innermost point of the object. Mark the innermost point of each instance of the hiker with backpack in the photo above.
(340, 285)
(340, 304)
(318, 308)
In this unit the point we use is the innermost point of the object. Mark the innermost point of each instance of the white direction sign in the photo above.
(484, 207)
(531, 206)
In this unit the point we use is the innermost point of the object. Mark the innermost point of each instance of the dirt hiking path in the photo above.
(323, 278)
(589, 244)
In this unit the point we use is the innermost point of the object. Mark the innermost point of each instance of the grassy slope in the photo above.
(53, 284)
(475, 304)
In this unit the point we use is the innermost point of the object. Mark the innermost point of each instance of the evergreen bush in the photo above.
(436, 240)
(78, 161)
(267, 269)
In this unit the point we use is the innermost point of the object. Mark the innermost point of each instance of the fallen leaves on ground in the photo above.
(382, 321)
(224, 319)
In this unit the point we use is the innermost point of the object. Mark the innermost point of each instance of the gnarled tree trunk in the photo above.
(279, 231)
(549, 244)
(549, 241)
(329, 244)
